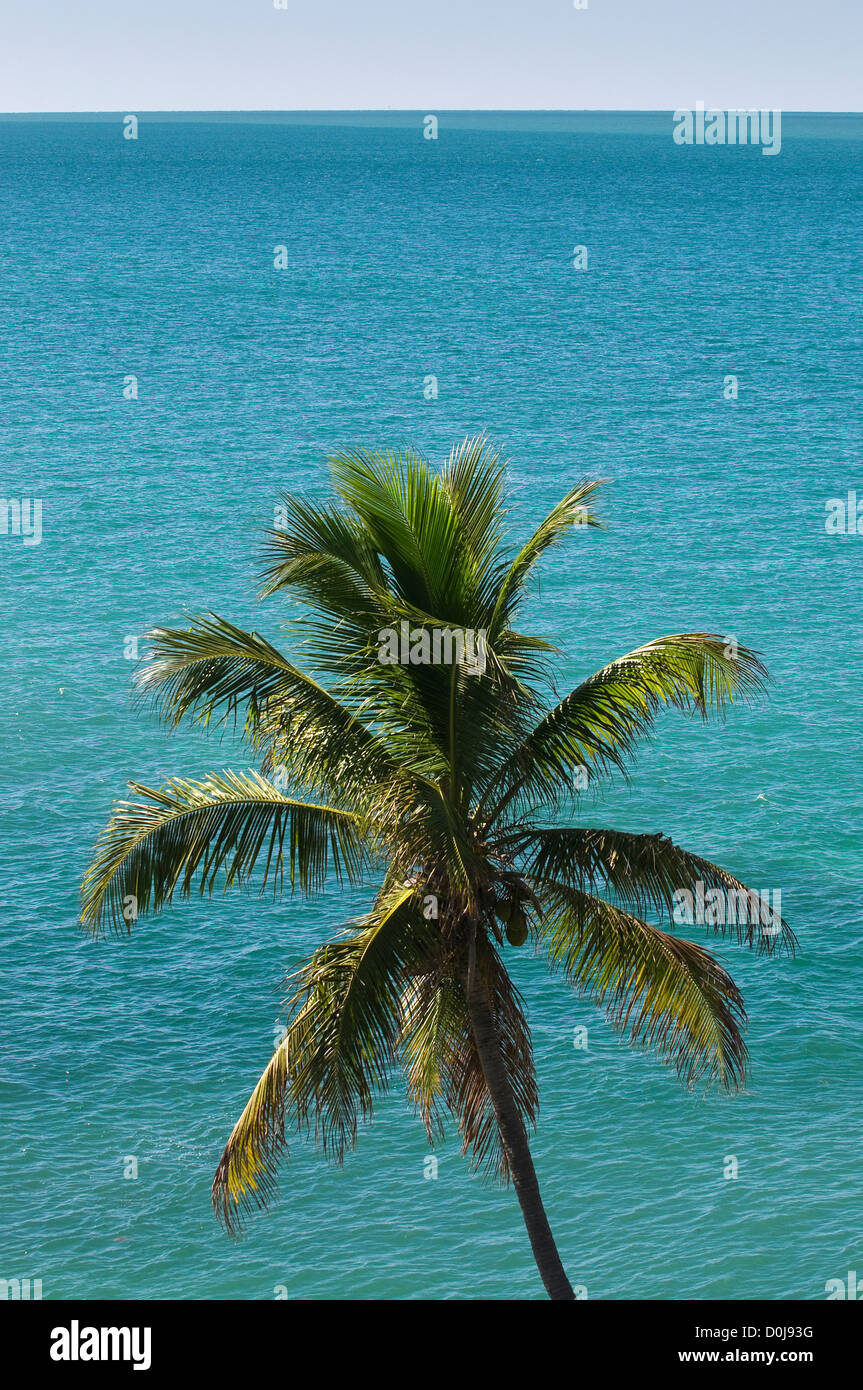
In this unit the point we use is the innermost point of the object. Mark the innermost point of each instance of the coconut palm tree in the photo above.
(451, 785)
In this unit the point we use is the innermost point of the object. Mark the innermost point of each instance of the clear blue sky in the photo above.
(132, 55)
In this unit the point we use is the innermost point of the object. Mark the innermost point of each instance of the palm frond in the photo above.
(247, 1173)
(349, 998)
(338, 1050)
(408, 512)
(570, 511)
(324, 555)
(600, 722)
(228, 822)
(213, 669)
(649, 872)
(664, 993)
(432, 1018)
(473, 478)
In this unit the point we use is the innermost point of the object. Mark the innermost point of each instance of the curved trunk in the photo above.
(514, 1139)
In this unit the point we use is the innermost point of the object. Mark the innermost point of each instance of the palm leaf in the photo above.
(665, 994)
(473, 479)
(409, 514)
(247, 1173)
(215, 669)
(645, 872)
(599, 723)
(338, 1050)
(228, 822)
(570, 511)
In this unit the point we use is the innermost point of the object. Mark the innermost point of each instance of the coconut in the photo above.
(516, 927)
(503, 911)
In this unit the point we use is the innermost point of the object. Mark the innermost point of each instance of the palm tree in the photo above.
(448, 782)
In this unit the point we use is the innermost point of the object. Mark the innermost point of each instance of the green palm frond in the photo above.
(666, 994)
(473, 479)
(646, 872)
(570, 511)
(229, 822)
(432, 1020)
(214, 669)
(408, 512)
(339, 1048)
(600, 722)
(325, 555)
(349, 1043)
(247, 1173)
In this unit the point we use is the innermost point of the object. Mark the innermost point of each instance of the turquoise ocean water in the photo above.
(410, 258)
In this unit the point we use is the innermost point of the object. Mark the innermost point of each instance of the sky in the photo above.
(429, 55)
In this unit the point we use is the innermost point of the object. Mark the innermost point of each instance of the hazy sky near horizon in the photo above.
(230, 55)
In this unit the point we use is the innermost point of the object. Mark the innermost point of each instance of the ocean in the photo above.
(160, 383)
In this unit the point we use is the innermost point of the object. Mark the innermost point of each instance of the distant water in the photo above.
(408, 259)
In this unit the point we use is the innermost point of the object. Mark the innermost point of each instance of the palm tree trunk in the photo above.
(514, 1139)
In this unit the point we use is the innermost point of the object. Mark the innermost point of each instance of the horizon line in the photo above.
(412, 110)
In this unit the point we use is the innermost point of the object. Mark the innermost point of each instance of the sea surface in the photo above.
(411, 258)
